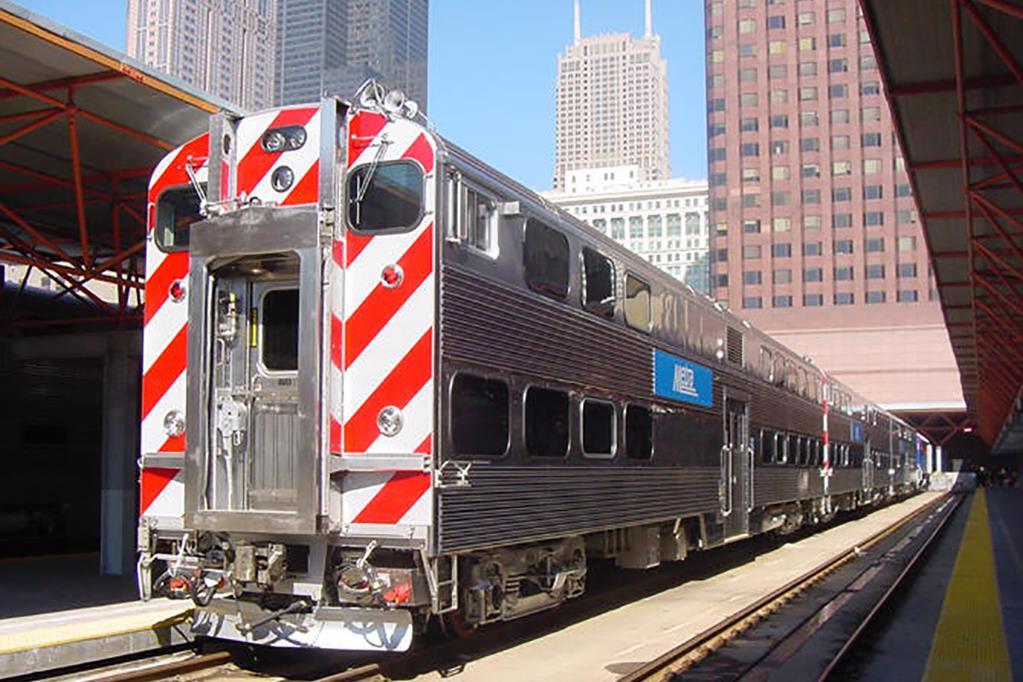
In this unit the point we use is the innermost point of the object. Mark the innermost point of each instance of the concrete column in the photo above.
(938, 464)
(119, 515)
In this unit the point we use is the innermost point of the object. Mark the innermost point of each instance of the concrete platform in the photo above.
(32, 644)
(43, 584)
(616, 642)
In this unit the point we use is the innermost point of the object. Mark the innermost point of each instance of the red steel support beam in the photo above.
(28, 128)
(999, 47)
(39, 236)
(61, 83)
(76, 173)
(1004, 6)
(1011, 243)
(44, 264)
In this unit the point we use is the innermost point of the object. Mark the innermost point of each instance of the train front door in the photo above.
(736, 471)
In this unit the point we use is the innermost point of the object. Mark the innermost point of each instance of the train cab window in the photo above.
(480, 222)
(546, 422)
(637, 303)
(545, 256)
(639, 432)
(385, 197)
(279, 330)
(598, 283)
(176, 210)
(598, 425)
(479, 415)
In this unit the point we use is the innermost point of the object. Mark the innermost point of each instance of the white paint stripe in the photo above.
(363, 275)
(420, 513)
(162, 328)
(251, 129)
(389, 346)
(170, 503)
(153, 435)
(359, 489)
(398, 136)
(418, 425)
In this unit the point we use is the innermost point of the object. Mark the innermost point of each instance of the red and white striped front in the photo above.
(382, 341)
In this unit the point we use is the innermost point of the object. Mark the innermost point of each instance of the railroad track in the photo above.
(693, 655)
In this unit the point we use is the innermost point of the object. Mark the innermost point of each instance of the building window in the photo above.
(751, 200)
(875, 245)
(811, 170)
(807, 93)
(907, 296)
(841, 168)
(844, 273)
(805, 19)
(840, 220)
(479, 415)
(905, 216)
(808, 119)
(751, 175)
(838, 90)
(871, 166)
(779, 147)
(810, 144)
(839, 141)
(873, 192)
(782, 301)
(907, 269)
(751, 277)
(777, 47)
(779, 96)
(751, 251)
(807, 68)
(748, 74)
(783, 250)
(836, 40)
(838, 65)
(907, 244)
(779, 198)
(875, 271)
(836, 15)
(546, 422)
(871, 139)
(812, 248)
(841, 194)
(870, 88)
(781, 224)
(780, 121)
(813, 275)
(813, 300)
(873, 218)
(844, 298)
(870, 114)
(716, 154)
(782, 276)
(843, 246)
(747, 26)
(749, 149)
(875, 297)
(868, 62)
(779, 172)
(749, 125)
(748, 99)
(777, 71)
(811, 196)
(776, 22)
(903, 190)
(812, 222)
(752, 302)
(807, 44)
(751, 226)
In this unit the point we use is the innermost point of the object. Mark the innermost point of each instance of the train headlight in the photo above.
(390, 420)
(274, 141)
(174, 423)
(282, 179)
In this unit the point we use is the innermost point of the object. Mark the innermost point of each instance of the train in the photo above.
(384, 384)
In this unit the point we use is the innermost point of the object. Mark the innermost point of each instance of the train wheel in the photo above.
(454, 625)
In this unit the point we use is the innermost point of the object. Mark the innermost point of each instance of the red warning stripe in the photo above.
(165, 371)
(394, 500)
(421, 151)
(355, 243)
(404, 381)
(257, 162)
(174, 174)
(307, 190)
(362, 130)
(173, 267)
(365, 323)
(153, 481)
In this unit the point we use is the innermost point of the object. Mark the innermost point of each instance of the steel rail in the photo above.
(717, 635)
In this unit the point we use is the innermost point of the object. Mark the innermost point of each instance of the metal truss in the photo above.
(116, 255)
(940, 427)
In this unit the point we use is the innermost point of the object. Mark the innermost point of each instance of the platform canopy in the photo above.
(953, 71)
(81, 128)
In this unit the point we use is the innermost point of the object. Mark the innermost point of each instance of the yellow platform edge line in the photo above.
(76, 632)
(969, 640)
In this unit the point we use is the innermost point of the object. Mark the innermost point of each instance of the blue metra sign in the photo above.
(856, 432)
(679, 379)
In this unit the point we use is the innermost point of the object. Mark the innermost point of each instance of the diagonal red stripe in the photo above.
(362, 130)
(257, 162)
(167, 368)
(421, 151)
(424, 447)
(198, 149)
(154, 480)
(355, 243)
(173, 444)
(397, 389)
(394, 500)
(363, 325)
(335, 340)
(335, 435)
(307, 190)
(173, 267)
(337, 252)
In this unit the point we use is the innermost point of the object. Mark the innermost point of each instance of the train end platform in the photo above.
(41, 642)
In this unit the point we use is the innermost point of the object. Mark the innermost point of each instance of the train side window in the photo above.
(768, 446)
(637, 303)
(479, 415)
(385, 197)
(546, 422)
(480, 222)
(176, 210)
(781, 446)
(803, 390)
(598, 425)
(279, 330)
(639, 432)
(767, 363)
(545, 256)
(598, 283)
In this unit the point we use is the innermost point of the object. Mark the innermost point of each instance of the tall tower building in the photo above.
(815, 236)
(223, 48)
(334, 46)
(612, 104)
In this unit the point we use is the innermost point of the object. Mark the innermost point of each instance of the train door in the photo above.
(736, 470)
(868, 467)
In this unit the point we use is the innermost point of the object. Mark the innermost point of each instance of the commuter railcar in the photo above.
(385, 383)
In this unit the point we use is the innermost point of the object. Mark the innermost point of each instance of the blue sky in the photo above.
(492, 71)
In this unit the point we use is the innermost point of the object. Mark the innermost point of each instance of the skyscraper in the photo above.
(612, 104)
(223, 48)
(814, 228)
(334, 46)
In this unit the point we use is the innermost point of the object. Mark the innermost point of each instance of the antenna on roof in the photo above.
(648, 17)
(577, 25)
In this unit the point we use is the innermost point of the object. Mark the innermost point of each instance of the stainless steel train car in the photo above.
(385, 383)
